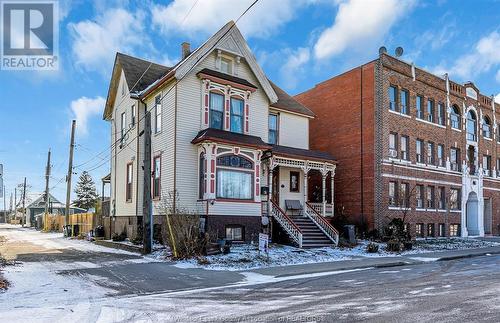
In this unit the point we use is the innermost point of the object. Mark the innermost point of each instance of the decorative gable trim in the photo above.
(227, 36)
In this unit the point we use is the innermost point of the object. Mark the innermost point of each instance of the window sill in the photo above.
(235, 200)
(486, 138)
(455, 211)
(400, 114)
(431, 123)
(456, 129)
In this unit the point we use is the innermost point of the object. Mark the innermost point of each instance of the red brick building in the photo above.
(410, 142)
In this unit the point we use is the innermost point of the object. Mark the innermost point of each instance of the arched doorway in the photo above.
(472, 215)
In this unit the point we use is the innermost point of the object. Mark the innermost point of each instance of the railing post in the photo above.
(323, 183)
(269, 187)
(305, 170)
(332, 174)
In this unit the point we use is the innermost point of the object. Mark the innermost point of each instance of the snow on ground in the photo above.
(244, 257)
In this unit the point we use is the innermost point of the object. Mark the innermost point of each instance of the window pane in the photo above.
(273, 129)
(237, 115)
(392, 98)
(216, 110)
(234, 184)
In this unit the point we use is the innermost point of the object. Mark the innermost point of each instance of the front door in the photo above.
(276, 185)
(487, 216)
(472, 215)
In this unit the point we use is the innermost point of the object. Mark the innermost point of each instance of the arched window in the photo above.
(234, 177)
(455, 117)
(486, 127)
(471, 126)
(201, 176)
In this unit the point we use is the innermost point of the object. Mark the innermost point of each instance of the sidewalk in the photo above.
(375, 262)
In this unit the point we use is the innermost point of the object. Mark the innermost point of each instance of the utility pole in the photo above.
(4, 205)
(147, 211)
(24, 201)
(47, 177)
(15, 202)
(68, 177)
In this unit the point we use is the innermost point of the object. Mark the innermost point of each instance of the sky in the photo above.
(298, 43)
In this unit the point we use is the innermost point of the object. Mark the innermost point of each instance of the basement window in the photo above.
(234, 232)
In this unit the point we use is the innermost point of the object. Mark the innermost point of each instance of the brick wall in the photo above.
(346, 131)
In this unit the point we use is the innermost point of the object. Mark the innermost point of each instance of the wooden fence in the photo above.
(80, 223)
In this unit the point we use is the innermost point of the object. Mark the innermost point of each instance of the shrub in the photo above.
(394, 245)
(181, 229)
(372, 247)
(119, 237)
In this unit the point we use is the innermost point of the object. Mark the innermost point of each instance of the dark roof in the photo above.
(298, 152)
(134, 67)
(218, 135)
(286, 102)
(226, 77)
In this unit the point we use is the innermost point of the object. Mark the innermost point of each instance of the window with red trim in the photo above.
(156, 177)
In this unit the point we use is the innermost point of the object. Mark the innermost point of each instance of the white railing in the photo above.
(322, 223)
(286, 223)
(318, 207)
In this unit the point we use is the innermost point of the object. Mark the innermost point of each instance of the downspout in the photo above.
(137, 123)
(361, 150)
(175, 151)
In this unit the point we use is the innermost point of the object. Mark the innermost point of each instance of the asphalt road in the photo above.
(446, 291)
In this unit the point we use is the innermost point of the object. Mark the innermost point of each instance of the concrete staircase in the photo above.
(312, 236)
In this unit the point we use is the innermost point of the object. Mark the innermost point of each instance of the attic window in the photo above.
(226, 65)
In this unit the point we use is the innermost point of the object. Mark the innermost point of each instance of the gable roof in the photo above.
(288, 103)
(134, 68)
(228, 38)
(139, 74)
(227, 77)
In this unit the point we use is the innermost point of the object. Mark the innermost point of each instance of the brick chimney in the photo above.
(186, 49)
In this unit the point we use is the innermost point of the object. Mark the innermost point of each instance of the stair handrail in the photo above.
(325, 226)
(286, 223)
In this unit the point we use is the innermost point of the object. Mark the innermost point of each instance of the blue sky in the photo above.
(298, 43)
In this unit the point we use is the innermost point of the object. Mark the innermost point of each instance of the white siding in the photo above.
(284, 192)
(121, 156)
(293, 130)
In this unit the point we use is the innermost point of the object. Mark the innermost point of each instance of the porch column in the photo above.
(305, 171)
(323, 186)
(270, 187)
(332, 175)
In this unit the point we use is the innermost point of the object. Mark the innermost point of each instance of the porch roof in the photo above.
(228, 137)
(300, 153)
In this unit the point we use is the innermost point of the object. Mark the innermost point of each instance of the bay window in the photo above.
(216, 110)
(237, 115)
(234, 178)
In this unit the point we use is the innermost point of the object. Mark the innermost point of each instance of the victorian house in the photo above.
(227, 144)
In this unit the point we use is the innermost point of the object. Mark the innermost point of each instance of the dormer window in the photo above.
(226, 65)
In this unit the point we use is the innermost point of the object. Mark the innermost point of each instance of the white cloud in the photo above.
(360, 24)
(497, 98)
(497, 77)
(294, 66)
(84, 109)
(484, 57)
(95, 42)
(208, 16)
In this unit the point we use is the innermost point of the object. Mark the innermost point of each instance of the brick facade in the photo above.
(354, 124)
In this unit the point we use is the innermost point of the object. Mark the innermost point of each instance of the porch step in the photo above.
(312, 236)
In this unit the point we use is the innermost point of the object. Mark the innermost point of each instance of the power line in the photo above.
(113, 145)
(135, 84)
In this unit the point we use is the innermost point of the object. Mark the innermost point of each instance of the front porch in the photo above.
(301, 191)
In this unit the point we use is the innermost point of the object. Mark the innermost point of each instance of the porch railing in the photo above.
(318, 207)
(286, 223)
(322, 223)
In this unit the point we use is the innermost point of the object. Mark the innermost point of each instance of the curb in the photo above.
(121, 246)
(479, 254)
